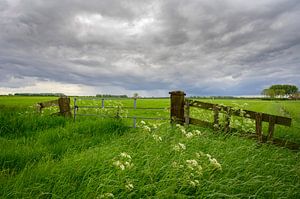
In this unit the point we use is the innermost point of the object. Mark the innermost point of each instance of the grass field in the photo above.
(44, 156)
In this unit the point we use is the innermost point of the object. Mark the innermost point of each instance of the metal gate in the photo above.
(102, 104)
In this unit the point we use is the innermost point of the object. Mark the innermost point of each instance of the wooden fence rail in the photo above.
(180, 113)
(62, 102)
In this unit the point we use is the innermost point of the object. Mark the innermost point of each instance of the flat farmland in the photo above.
(47, 156)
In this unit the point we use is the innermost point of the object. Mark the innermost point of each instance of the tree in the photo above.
(270, 93)
(279, 90)
(135, 95)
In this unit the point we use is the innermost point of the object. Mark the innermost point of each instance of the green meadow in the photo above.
(47, 156)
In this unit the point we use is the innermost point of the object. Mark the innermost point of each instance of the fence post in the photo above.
(272, 120)
(134, 122)
(187, 113)
(177, 107)
(134, 103)
(258, 124)
(64, 106)
(75, 106)
(216, 117)
(102, 104)
(227, 119)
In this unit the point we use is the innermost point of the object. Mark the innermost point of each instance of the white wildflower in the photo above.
(122, 167)
(216, 125)
(199, 170)
(197, 132)
(128, 165)
(189, 135)
(147, 128)
(215, 163)
(182, 146)
(176, 148)
(192, 183)
(209, 156)
(175, 164)
(157, 138)
(106, 195)
(143, 122)
(129, 186)
(183, 131)
(193, 163)
(125, 155)
(179, 147)
(119, 164)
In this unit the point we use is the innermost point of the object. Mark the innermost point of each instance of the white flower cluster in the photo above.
(106, 195)
(194, 166)
(144, 126)
(188, 134)
(179, 147)
(157, 138)
(129, 186)
(124, 161)
(214, 162)
(194, 183)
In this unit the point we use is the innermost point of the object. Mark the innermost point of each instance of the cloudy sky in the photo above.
(204, 47)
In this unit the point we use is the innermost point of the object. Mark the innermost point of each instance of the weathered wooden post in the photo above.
(187, 113)
(177, 107)
(216, 117)
(258, 125)
(227, 119)
(272, 121)
(64, 106)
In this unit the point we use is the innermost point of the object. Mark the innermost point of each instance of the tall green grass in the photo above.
(84, 160)
(103, 158)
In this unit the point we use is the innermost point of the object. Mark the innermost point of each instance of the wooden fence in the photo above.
(62, 102)
(180, 113)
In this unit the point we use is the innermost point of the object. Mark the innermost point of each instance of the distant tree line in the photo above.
(40, 94)
(111, 96)
(279, 90)
(214, 97)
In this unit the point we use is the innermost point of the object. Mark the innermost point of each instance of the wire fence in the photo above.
(100, 104)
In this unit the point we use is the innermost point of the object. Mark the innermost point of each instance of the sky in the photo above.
(149, 47)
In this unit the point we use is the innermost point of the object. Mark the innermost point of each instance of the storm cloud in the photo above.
(210, 47)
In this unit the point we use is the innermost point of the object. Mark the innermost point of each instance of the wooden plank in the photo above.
(202, 105)
(48, 103)
(201, 123)
(187, 113)
(271, 128)
(285, 121)
(258, 124)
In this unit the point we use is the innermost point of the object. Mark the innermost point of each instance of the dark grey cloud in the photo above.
(212, 47)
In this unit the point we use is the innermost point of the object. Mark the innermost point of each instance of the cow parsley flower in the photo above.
(215, 164)
(147, 128)
(197, 132)
(157, 138)
(125, 155)
(143, 122)
(106, 195)
(179, 147)
(189, 135)
(129, 186)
